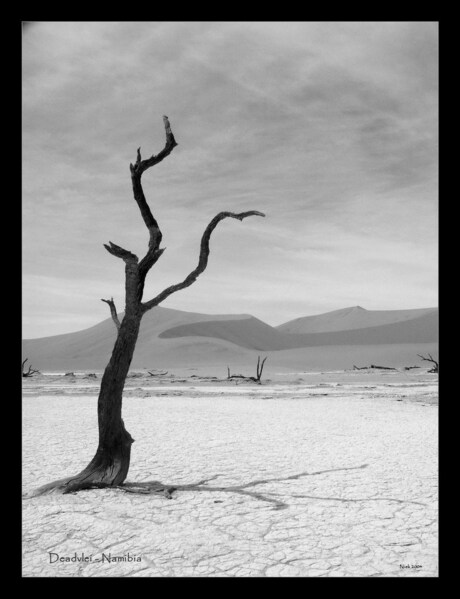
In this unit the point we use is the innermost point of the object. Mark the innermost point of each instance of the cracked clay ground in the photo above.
(312, 479)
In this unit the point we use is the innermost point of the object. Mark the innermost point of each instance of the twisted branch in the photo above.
(154, 252)
(142, 165)
(203, 259)
(136, 271)
(136, 173)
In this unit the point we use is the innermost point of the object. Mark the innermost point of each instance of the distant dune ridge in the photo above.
(171, 338)
(350, 318)
(255, 334)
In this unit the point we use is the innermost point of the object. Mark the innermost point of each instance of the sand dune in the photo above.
(251, 333)
(91, 348)
(173, 338)
(347, 319)
(255, 334)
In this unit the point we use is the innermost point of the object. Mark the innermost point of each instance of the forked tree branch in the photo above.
(113, 312)
(142, 165)
(136, 271)
(203, 258)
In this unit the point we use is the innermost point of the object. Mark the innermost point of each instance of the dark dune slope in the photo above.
(255, 334)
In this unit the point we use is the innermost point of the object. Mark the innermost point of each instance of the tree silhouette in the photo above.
(30, 372)
(432, 360)
(110, 464)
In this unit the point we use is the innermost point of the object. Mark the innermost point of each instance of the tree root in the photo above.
(101, 473)
(72, 484)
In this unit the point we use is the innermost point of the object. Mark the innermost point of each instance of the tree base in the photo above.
(74, 484)
(108, 468)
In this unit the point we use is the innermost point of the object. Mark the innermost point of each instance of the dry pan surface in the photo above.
(308, 475)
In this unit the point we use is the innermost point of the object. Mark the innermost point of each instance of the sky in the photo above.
(329, 128)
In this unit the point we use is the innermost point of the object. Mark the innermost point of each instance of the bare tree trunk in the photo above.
(110, 465)
(111, 462)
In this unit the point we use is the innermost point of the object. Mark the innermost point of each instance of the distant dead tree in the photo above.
(157, 373)
(29, 372)
(256, 379)
(374, 367)
(432, 360)
(110, 464)
(260, 367)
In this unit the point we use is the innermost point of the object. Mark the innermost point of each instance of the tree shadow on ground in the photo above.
(157, 487)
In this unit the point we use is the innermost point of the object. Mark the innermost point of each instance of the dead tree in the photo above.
(31, 370)
(256, 379)
(432, 360)
(260, 367)
(374, 367)
(157, 373)
(109, 466)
